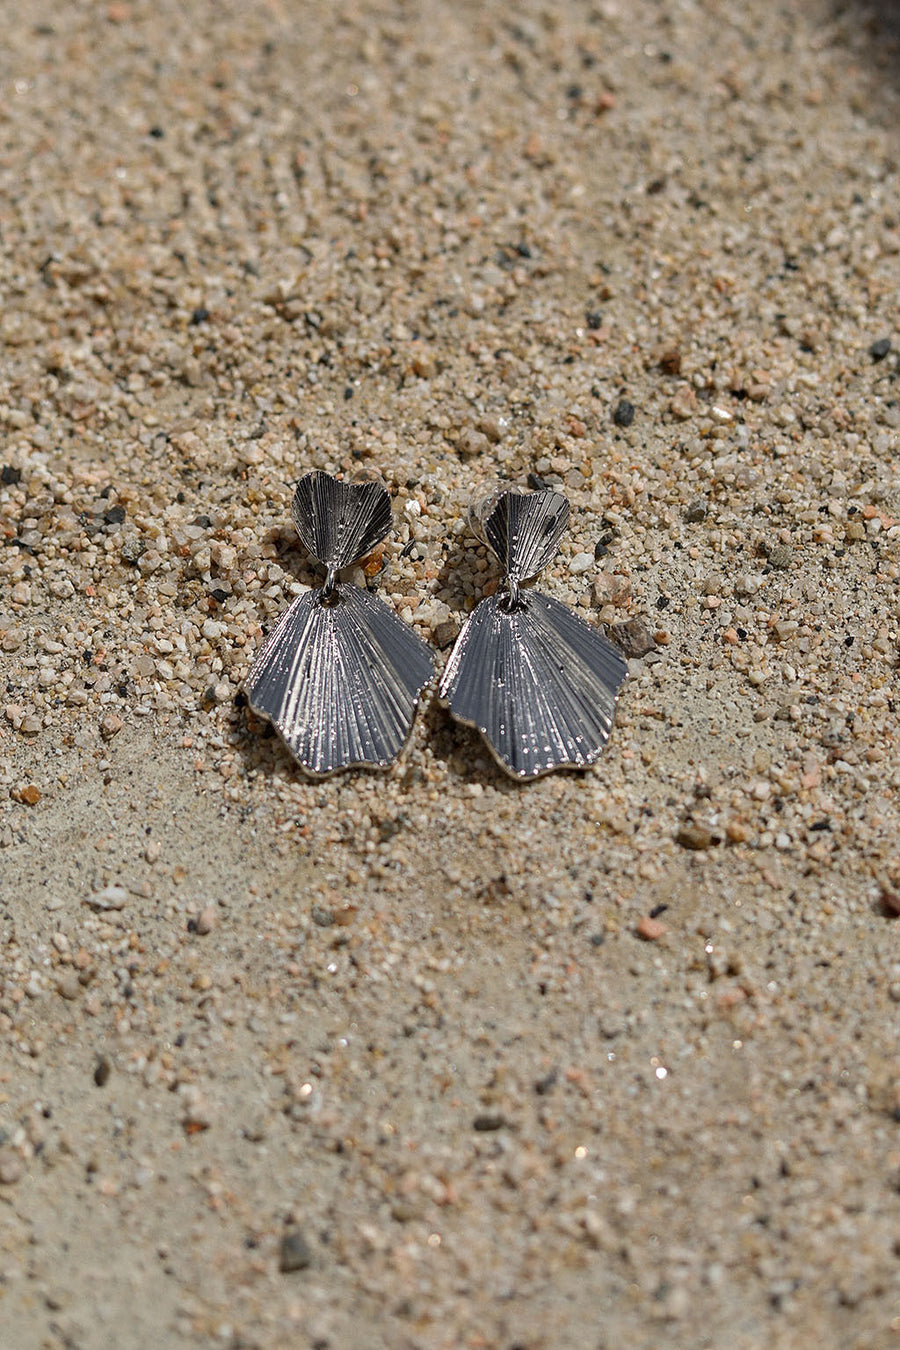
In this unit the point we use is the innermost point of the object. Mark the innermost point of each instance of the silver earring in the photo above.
(539, 683)
(341, 674)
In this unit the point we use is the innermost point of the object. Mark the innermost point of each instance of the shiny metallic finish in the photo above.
(538, 682)
(522, 530)
(341, 674)
(339, 522)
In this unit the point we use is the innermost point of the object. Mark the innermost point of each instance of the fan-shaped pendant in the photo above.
(340, 675)
(539, 683)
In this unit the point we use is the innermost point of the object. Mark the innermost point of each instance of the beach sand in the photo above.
(428, 1058)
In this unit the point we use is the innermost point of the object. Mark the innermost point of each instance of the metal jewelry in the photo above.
(340, 675)
(539, 683)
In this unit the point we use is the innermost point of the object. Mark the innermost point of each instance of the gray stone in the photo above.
(294, 1252)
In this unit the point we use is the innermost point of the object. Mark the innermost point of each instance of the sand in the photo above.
(429, 1058)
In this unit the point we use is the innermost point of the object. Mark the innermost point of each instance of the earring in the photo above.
(341, 674)
(539, 683)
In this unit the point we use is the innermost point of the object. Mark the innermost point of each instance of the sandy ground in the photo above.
(383, 1061)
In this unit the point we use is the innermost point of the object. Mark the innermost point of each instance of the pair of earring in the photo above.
(340, 676)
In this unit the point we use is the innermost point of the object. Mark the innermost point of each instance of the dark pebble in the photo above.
(294, 1252)
(695, 513)
(594, 319)
(633, 638)
(484, 1124)
(546, 1084)
(446, 633)
(670, 362)
(536, 482)
(9, 476)
(200, 315)
(115, 515)
(624, 413)
(880, 348)
(102, 1070)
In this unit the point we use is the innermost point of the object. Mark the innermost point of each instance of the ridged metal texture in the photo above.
(538, 682)
(340, 681)
(523, 530)
(340, 522)
(340, 675)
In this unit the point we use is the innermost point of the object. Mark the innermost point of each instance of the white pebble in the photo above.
(111, 897)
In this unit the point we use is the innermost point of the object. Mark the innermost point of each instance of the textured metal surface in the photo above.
(340, 522)
(340, 680)
(538, 682)
(523, 530)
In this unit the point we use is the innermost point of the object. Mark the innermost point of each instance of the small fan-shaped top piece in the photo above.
(523, 531)
(340, 522)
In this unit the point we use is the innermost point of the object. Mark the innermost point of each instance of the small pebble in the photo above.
(684, 404)
(445, 634)
(780, 556)
(609, 588)
(695, 512)
(880, 348)
(472, 443)
(207, 919)
(633, 638)
(102, 1071)
(30, 795)
(624, 413)
(582, 562)
(111, 897)
(294, 1252)
(110, 726)
(650, 930)
(68, 985)
(132, 548)
(488, 1122)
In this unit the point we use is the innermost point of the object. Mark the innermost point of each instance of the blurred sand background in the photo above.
(427, 1059)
